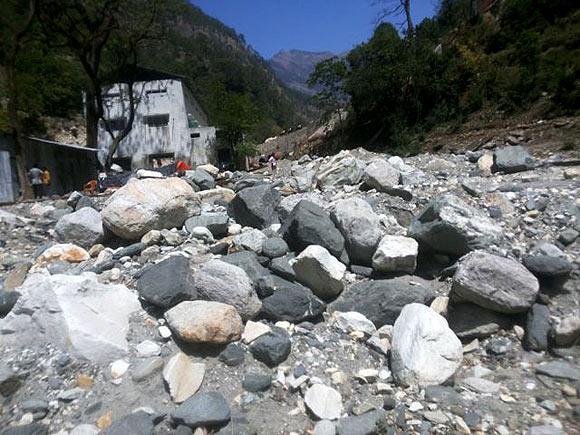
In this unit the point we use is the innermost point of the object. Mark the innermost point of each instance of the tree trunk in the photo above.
(410, 28)
(91, 120)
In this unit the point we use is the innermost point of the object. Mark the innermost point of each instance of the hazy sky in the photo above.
(314, 25)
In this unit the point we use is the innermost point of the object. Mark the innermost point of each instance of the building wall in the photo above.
(160, 97)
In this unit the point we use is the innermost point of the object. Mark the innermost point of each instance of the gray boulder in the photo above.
(219, 281)
(208, 410)
(340, 170)
(308, 224)
(255, 206)
(293, 303)
(361, 228)
(424, 350)
(281, 266)
(248, 261)
(470, 321)
(548, 261)
(167, 283)
(288, 203)
(381, 301)
(537, 328)
(512, 159)
(381, 175)
(202, 178)
(83, 227)
(450, 226)
(274, 247)
(496, 283)
(272, 348)
(217, 223)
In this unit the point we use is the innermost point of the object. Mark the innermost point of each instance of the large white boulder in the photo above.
(342, 169)
(149, 204)
(360, 227)
(83, 227)
(396, 254)
(75, 313)
(316, 268)
(425, 351)
(381, 175)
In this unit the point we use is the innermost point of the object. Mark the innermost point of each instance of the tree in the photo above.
(17, 20)
(396, 8)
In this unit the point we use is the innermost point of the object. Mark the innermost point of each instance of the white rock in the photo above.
(480, 385)
(183, 376)
(164, 331)
(210, 169)
(85, 429)
(234, 229)
(144, 173)
(253, 330)
(353, 321)
(251, 239)
(324, 402)
(325, 427)
(381, 175)
(316, 268)
(119, 368)
(425, 351)
(202, 233)
(396, 254)
(148, 348)
(340, 170)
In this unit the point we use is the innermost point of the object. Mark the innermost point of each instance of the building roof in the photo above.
(64, 145)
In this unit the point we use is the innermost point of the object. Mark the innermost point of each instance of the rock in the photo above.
(441, 394)
(288, 203)
(17, 276)
(119, 368)
(147, 368)
(85, 429)
(548, 261)
(424, 350)
(26, 429)
(74, 313)
(129, 251)
(73, 198)
(153, 237)
(251, 239)
(167, 283)
(205, 322)
(499, 346)
(150, 204)
(255, 206)
(559, 369)
(294, 304)
(369, 423)
(208, 410)
(223, 282)
(353, 322)
(340, 170)
(256, 382)
(70, 395)
(148, 348)
(253, 330)
(145, 173)
(325, 427)
(496, 283)
(83, 228)
(360, 226)
(218, 195)
(274, 247)
(308, 224)
(480, 385)
(512, 159)
(217, 223)
(137, 423)
(9, 381)
(7, 301)
(248, 261)
(233, 355)
(537, 328)
(183, 377)
(568, 236)
(281, 266)
(202, 178)
(324, 402)
(320, 271)
(202, 233)
(470, 321)
(272, 348)
(381, 301)
(65, 252)
(381, 175)
(545, 429)
(396, 254)
(567, 332)
(449, 226)
(84, 202)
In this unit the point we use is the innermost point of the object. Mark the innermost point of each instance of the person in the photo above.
(273, 163)
(35, 176)
(46, 180)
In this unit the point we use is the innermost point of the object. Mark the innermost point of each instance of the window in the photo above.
(117, 124)
(156, 91)
(194, 135)
(156, 120)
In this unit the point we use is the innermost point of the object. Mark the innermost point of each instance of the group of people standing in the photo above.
(40, 181)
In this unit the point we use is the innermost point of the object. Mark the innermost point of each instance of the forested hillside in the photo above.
(485, 59)
(231, 81)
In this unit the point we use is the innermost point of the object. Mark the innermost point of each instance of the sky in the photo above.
(312, 25)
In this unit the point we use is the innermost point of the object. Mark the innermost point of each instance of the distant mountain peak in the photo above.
(293, 67)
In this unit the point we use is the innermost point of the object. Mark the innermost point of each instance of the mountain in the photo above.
(295, 66)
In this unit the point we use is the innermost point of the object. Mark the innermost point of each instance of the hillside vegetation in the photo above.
(520, 55)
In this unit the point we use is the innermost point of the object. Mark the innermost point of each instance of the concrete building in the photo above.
(169, 123)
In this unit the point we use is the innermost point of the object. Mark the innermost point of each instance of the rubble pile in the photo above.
(354, 294)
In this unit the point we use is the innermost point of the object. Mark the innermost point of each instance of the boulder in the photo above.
(75, 313)
(319, 271)
(496, 283)
(218, 195)
(381, 301)
(567, 332)
(149, 204)
(205, 322)
(308, 224)
(250, 239)
(381, 175)
(512, 159)
(83, 202)
(208, 410)
(548, 261)
(202, 178)
(396, 254)
(274, 247)
(340, 170)
(281, 266)
(83, 228)
(272, 348)
(255, 206)
(248, 261)
(7, 300)
(424, 350)
(167, 283)
(352, 321)
(324, 402)
(295, 304)
(223, 282)
(360, 226)
(288, 203)
(183, 377)
(217, 223)
(537, 328)
(450, 226)
(470, 321)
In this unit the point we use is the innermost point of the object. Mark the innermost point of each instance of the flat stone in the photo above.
(537, 328)
(352, 321)
(147, 368)
(369, 423)
(148, 348)
(208, 410)
(183, 377)
(324, 402)
(256, 382)
(480, 385)
(559, 369)
(253, 330)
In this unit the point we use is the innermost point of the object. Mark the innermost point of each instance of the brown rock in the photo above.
(64, 252)
(17, 276)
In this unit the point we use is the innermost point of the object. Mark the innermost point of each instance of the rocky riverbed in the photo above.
(354, 294)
